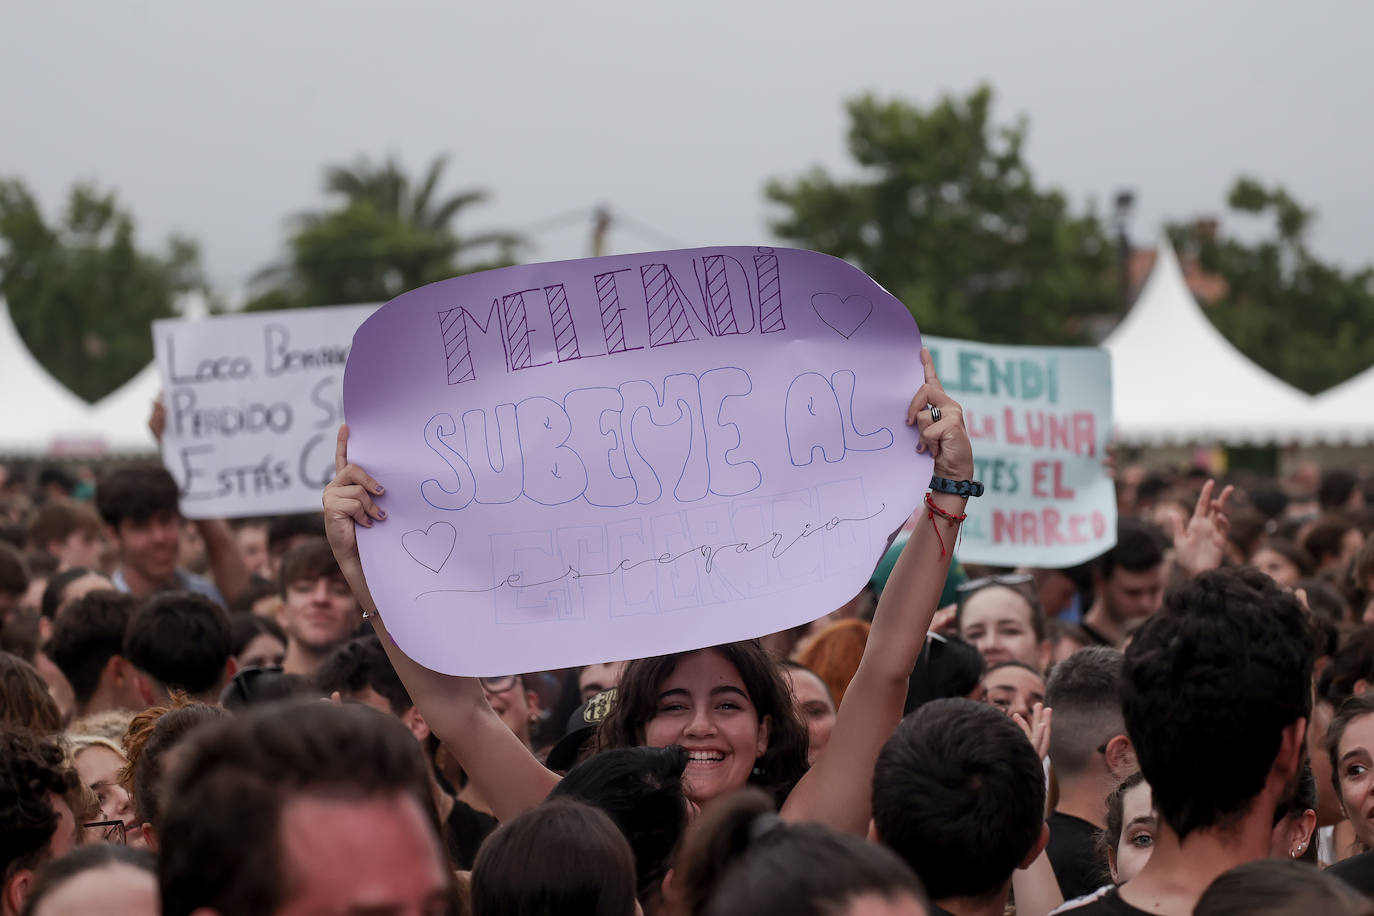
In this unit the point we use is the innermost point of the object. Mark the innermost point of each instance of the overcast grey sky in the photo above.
(215, 119)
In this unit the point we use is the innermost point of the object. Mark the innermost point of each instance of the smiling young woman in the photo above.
(728, 705)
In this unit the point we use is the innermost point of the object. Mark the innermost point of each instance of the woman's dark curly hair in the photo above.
(636, 702)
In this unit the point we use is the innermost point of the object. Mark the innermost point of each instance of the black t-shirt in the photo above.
(464, 832)
(1108, 903)
(1073, 855)
(1357, 871)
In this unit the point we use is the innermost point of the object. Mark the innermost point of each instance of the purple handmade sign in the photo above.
(626, 456)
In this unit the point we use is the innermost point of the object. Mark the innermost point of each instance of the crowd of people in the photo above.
(209, 717)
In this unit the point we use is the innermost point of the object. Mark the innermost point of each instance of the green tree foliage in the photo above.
(81, 293)
(384, 235)
(1308, 322)
(945, 214)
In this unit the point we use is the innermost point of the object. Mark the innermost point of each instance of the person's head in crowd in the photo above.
(161, 751)
(515, 703)
(1295, 821)
(1014, 687)
(14, 582)
(68, 532)
(1349, 672)
(24, 698)
(1362, 578)
(728, 706)
(318, 608)
(111, 724)
(814, 703)
(180, 641)
(740, 859)
(256, 642)
(1246, 535)
(87, 644)
(594, 679)
(560, 857)
(1280, 889)
(1326, 604)
(262, 597)
(1131, 828)
(959, 794)
(139, 506)
(1001, 616)
(287, 531)
(948, 667)
(95, 880)
(36, 820)
(68, 586)
(1128, 581)
(1283, 561)
(250, 534)
(1065, 639)
(834, 653)
(1216, 694)
(99, 762)
(640, 789)
(1339, 491)
(1333, 544)
(335, 800)
(55, 483)
(1088, 742)
(257, 686)
(1055, 589)
(1350, 752)
(360, 672)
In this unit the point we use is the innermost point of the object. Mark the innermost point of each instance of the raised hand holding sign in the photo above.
(627, 456)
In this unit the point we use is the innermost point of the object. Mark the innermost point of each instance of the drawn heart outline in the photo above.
(430, 548)
(844, 315)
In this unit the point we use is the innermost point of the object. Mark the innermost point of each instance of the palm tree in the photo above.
(386, 235)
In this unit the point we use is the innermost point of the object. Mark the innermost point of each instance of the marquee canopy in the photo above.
(1176, 379)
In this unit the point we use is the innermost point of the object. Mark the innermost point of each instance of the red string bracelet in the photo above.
(933, 510)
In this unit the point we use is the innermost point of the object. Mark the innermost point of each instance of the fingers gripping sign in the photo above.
(940, 420)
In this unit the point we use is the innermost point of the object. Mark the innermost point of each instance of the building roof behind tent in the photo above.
(38, 414)
(1345, 413)
(121, 417)
(1176, 379)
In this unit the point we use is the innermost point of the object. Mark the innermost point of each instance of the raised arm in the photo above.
(836, 791)
(455, 708)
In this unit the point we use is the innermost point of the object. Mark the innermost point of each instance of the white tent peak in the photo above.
(1177, 379)
(38, 414)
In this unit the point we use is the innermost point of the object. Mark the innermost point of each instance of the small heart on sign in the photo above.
(843, 315)
(432, 547)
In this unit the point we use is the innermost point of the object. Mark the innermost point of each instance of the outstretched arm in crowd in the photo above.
(454, 708)
(222, 552)
(836, 791)
(1200, 545)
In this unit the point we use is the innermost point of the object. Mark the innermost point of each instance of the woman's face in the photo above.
(1277, 567)
(704, 706)
(1138, 827)
(1355, 770)
(516, 706)
(262, 651)
(98, 767)
(1013, 689)
(815, 707)
(997, 621)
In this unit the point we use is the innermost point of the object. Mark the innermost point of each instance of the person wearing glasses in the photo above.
(1001, 617)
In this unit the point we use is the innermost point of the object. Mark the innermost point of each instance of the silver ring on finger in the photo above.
(935, 414)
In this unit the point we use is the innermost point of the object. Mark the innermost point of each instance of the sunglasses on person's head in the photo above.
(106, 832)
(1008, 580)
(246, 685)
